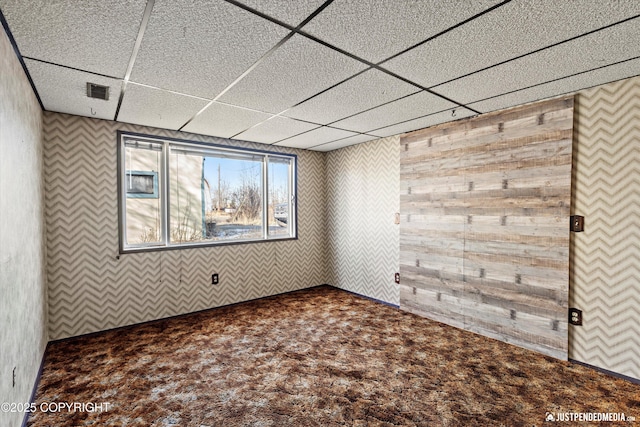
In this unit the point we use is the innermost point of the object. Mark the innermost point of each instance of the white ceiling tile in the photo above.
(360, 93)
(64, 90)
(562, 86)
(511, 30)
(594, 50)
(96, 36)
(288, 11)
(315, 137)
(377, 29)
(199, 47)
(276, 129)
(423, 122)
(407, 108)
(345, 142)
(299, 69)
(154, 107)
(224, 120)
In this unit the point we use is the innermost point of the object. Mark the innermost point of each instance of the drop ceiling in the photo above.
(311, 74)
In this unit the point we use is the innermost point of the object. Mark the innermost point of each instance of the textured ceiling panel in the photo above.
(407, 108)
(224, 120)
(363, 92)
(288, 11)
(352, 140)
(96, 36)
(315, 137)
(193, 52)
(562, 86)
(377, 29)
(297, 70)
(594, 50)
(65, 90)
(275, 129)
(423, 122)
(154, 107)
(506, 33)
(201, 46)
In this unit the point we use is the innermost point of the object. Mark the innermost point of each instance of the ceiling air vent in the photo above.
(97, 91)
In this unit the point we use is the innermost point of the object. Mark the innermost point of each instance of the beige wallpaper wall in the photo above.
(23, 330)
(362, 199)
(92, 287)
(605, 279)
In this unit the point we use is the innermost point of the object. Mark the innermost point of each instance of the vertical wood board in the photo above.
(484, 233)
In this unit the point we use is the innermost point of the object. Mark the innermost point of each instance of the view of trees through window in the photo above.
(235, 198)
(211, 195)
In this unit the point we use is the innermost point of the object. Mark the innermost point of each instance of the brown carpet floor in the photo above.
(318, 357)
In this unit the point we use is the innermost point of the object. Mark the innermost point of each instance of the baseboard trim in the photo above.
(379, 301)
(176, 316)
(34, 391)
(606, 371)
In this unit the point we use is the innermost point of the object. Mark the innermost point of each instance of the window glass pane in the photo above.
(186, 202)
(177, 193)
(279, 197)
(214, 198)
(143, 200)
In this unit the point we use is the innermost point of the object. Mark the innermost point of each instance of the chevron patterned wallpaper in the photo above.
(605, 280)
(362, 198)
(91, 287)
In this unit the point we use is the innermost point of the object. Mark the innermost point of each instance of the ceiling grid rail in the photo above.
(434, 70)
(134, 53)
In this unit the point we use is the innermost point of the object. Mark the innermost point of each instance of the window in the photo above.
(182, 194)
(142, 184)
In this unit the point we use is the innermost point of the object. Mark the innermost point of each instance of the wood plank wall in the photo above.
(484, 232)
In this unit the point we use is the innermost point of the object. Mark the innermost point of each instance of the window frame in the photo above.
(164, 192)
